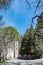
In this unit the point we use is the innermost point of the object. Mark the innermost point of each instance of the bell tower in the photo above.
(16, 48)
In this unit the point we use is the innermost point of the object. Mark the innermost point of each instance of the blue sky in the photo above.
(19, 15)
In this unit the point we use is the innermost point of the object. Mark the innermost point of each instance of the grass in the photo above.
(2, 63)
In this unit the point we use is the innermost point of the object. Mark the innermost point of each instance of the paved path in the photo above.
(19, 60)
(25, 62)
(10, 64)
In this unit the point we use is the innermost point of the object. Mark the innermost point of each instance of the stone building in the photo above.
(16, 49)
(10, 50)
(13, 50)
(9, 45)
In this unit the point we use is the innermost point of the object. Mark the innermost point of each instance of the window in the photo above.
(16, 48)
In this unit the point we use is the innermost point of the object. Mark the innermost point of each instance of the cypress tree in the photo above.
(29, 49)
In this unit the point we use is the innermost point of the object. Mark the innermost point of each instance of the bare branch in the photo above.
(1, 22)
(37, 6)
(28, 3)
(1, 17)
(34, 18)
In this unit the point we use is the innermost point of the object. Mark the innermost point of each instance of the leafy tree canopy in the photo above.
(29, 49)
(10, 30)
(4, 3)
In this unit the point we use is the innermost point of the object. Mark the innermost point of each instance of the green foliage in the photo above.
(39, 31)
(0, 54)
(28, 46)
(10, 30)
(3, 63)
(7, 35)
(4, 3)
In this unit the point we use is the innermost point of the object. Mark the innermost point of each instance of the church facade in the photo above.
(12, 50)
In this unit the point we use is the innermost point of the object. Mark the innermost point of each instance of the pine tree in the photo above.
(29, 49)
(39, 31)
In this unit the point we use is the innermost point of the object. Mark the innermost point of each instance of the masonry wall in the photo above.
(16, 48)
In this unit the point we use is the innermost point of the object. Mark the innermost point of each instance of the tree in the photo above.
(29, 49)
(10, 30)
(4, 3)
(35, 3)
(39, 31)
(7, 35)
